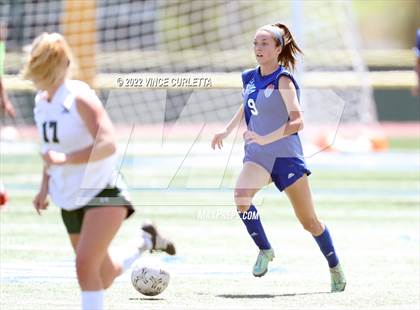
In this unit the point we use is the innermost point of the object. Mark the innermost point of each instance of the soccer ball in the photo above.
(149, 281)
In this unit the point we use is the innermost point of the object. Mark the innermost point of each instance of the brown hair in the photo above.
(49, 62)
(287, 56)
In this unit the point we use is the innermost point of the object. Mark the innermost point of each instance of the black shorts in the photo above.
(106, 198)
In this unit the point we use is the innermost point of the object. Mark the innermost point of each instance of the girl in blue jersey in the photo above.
(273, 151)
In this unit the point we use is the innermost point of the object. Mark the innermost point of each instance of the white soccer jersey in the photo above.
(62, 130)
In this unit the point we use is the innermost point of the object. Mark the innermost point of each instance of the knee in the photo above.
(243, 199)
(312, 225)
(85, 267)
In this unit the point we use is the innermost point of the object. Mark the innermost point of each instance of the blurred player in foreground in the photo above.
(79, 152)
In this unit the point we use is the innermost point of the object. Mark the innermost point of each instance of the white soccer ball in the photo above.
(149, 281)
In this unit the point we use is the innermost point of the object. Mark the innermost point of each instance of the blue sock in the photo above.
(251, 219)
(327, 248)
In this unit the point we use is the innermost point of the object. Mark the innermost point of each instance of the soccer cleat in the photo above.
(158, 242)
(260, 266)
(338, 281)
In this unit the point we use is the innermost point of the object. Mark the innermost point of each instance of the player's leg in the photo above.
(149, 239)
(98, 229)
(112, 267)
(252, 178)
(300, 196)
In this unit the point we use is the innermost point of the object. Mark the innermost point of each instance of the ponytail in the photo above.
(290, 49)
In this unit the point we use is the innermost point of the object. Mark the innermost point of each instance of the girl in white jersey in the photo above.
(273, 152)
(79, 153)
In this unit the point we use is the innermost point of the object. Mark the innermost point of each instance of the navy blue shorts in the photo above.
(284, 171)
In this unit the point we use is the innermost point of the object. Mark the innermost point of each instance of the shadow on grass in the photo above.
(252, 296)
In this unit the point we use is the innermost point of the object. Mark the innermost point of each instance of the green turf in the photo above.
(412, 143)
(372, 215)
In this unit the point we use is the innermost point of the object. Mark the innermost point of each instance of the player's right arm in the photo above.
(5, 104)
(221, 135)
(40, 201)
(416, 90)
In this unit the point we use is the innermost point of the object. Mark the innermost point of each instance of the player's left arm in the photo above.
(101, 129)
(294, 124)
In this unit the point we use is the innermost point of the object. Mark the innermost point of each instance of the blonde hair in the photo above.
(50, 61)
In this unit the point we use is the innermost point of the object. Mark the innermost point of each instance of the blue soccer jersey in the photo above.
(265, 112)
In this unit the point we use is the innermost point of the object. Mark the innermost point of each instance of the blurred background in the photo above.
(123, 36)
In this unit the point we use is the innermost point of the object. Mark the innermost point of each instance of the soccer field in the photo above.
(369, 201)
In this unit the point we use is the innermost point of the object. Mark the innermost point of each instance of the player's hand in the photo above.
(7, 107)
(40, 201)
(218, 139)
(253, 137)
(54, 158)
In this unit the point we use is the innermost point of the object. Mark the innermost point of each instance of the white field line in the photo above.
(58, 272)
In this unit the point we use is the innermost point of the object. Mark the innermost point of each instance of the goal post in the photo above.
(78, 25)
